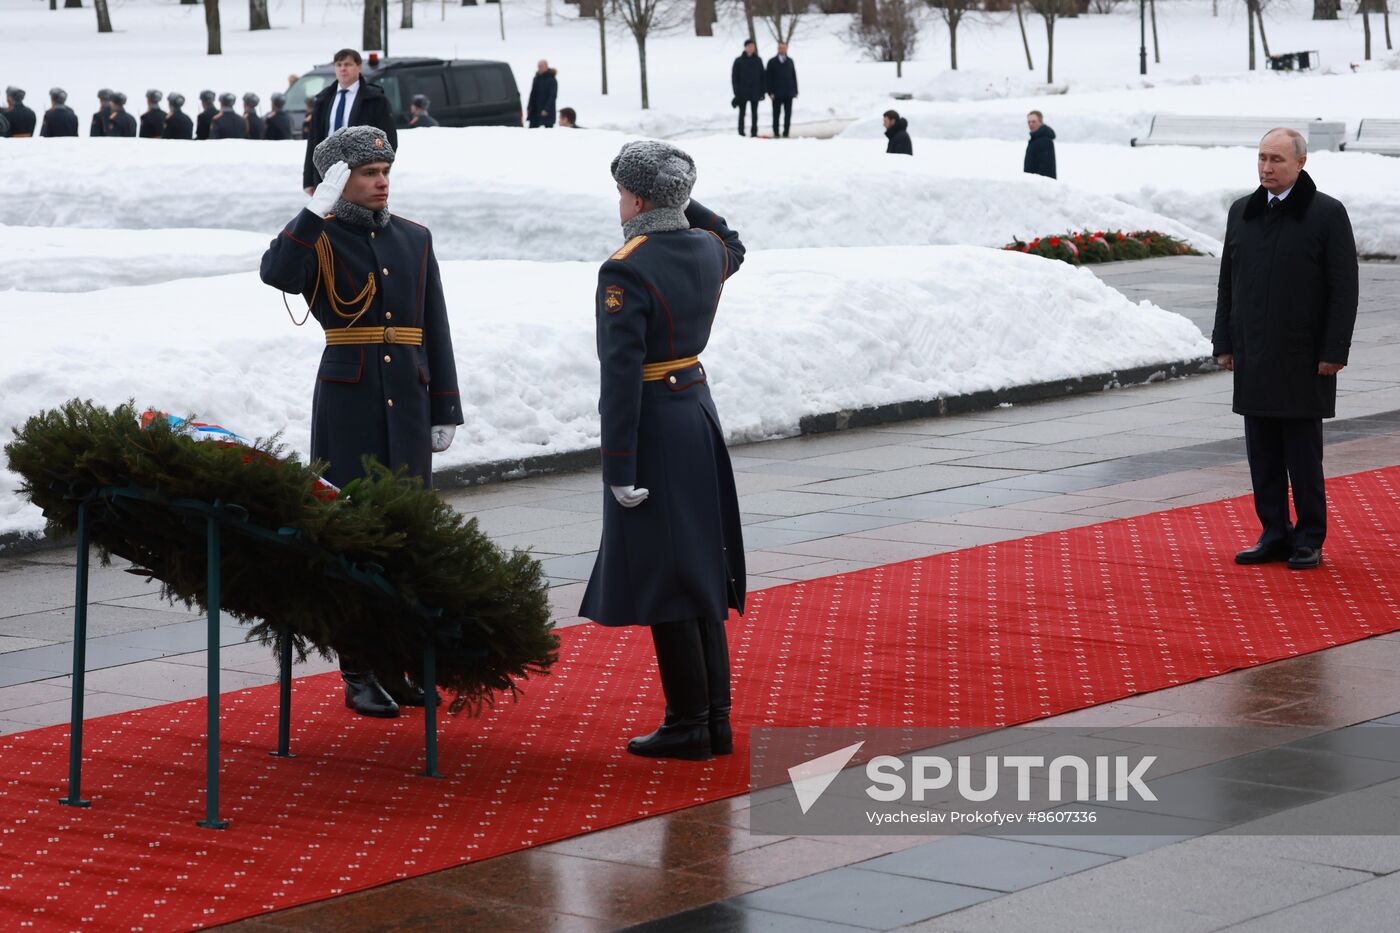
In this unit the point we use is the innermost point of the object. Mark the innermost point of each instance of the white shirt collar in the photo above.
(1282, 194)
(350, 93)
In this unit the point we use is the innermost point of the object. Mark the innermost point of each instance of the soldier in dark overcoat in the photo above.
(228, 123)
(672, 554)
(21, 119)
(119, 122)
(207, 112)
(98, 126)
(278, 125)
(59, 119)
(256, 127)
(178, 124)
(387, 383)
(153, 120)
(1284, 316)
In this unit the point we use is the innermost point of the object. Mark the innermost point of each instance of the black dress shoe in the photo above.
(1305, 558)
(403, 690)
(688, 741)
(364, 695)
(1263, 554)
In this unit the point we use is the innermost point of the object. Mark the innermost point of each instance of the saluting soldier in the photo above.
(98, 127)
(387, 384)
(250, 116)
(672, 554)
(207, 110)
(153, 120)
(177, 123)
(228, 123)
(278, 123)
(59, 119)
(20, 117)
(119, 122)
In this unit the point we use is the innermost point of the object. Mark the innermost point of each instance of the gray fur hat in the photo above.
(177, 100)
(251, 100)
(119, 98)
(154, 96)
(227, 100)
(353, 145)
(16, 93)
(105, 94)
(655, 171)
(58, 95)
(207, 96)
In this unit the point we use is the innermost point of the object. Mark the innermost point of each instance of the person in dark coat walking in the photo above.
(897, 132)
(22, 120)
(228, 123)
(278, 122)
(177, 123)
(119, 122)
(781, 81)
(59, 119)
(747, 79)
(544, 93)
(153, 120)
(255, 124)
(350, 101)
(1283, 324)
(207, 112)
(98, 126)
(1040, 149)
(387, 383)
(672, 553)
(418, 107)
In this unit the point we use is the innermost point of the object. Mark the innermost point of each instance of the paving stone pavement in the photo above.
(824, 504)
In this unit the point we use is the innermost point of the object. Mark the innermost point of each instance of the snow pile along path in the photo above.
(799, 333)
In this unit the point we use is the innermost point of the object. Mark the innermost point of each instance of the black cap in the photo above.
(207, 96)
(420, 100)
(153, 96)
(58, 95)
(177, 100)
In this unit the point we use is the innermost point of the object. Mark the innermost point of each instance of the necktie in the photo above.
(339, 112)
(1274, 202)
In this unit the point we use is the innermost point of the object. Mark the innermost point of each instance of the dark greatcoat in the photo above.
(421, 119)
(177, 126)
(781, 78)
(544, 93)
(379, 399)
(152, 123)
(120, 123)
(371, 108)
(1287, 301)
(205, 121)
(98, 127)
(60, 121)
(227, 124)
(680, 554)
(747, 78)
(898, 136)
(279, 125)
(22, 121)
(1040, 153)
(257, 127)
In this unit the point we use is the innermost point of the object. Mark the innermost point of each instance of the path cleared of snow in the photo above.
(799, 332)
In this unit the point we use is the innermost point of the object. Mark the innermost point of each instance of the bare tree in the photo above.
(1156, 49)
(644, 18)
(782, 16)
(257, 15)
(1324, 9)
(1263, 36)
(406, 21)
(104, 22)
(1103, 6)
(370, 31)
(72, 4)
(1366, 24)
(1026, 42)
(952, 13)
(890, 33)
(1249, 8)
(1051, 10)
(704, 17)
(1385, 8)
(211, 25)
(748, 17)
(598, 9)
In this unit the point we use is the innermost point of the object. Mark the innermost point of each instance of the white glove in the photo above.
(629, 497)
(442, 436)
(328, 191)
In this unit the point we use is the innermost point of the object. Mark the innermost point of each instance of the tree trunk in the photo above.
(1366, 25)
(953, 44)
(211, 25)
(899, 68)
(72, 4)
(406, 21)
(1050, 51)
(1021, 20)
(104, 22)
(869, 13)
(1263, 36)
(1156, 49)
(642, 62)
(257, 15)
(704, 17)
(1324, 9)
(1385, 8)
(369, 30)
(603, 45)
(748, 16)
(501, 12)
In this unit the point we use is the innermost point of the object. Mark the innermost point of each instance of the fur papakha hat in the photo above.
(655, 171)
(353, 145)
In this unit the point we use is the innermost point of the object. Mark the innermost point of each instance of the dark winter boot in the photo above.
(364, 695)
(714, 642)
(402, 689)
(680, 659)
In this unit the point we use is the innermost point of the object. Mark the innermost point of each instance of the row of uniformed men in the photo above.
(18, 121)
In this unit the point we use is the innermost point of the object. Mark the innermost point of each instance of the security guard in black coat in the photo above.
(228, 123)
(350, 101)
(59, 119)
(20, 117)
(177, 123)
(119, 122)
(278, 125)
(153, 120)
(672, 554)
(256, 126)
(207, 110)
(387, 384)
(98, 127)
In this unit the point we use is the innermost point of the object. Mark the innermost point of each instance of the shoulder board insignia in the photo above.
(629, 248)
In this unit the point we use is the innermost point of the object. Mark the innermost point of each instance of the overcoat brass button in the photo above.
(391, 403)
(385, 270)
(390, 335)
(371, 234)
(388, 359)
(673, 380)
(388, 315)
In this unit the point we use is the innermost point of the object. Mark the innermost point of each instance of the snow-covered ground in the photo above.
(910, 322)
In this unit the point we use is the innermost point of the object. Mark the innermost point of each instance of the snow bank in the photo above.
(908, 323)
(71, 259)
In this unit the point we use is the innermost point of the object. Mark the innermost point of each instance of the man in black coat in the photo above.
(177, 123)
(418, 107)
(119, 122)
(207, 111)
(672, 554)
(153, 120)
(228, 123)
(781, 80)
(1040, 149)
(897, 132)
(20, 118)
(747, 80)
(544, 94)
(255, 124)
(387, 383)
(59, 119)
(98, 126)
(350, 101)
(1283, 324)
(278, 122)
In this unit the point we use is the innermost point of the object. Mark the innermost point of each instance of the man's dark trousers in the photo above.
(1284, 452)
(785, 105)
(753, 106)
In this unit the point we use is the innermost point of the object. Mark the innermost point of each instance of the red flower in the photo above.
(1035, 243)
(1054, 241)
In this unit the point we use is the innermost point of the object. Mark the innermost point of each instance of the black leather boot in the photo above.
(364, 695)
(402, 689)
(714, 642)
(680, 659)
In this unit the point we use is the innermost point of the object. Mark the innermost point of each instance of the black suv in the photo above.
(462, 93)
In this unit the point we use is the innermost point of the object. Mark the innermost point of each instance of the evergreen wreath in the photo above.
(302, 561)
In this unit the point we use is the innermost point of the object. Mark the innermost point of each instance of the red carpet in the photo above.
(992, 635)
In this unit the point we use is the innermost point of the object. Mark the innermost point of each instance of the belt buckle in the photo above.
(390, 335)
